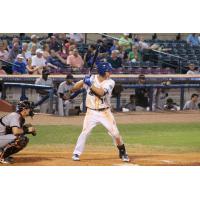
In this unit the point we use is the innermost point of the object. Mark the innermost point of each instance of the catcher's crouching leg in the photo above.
(13, 147)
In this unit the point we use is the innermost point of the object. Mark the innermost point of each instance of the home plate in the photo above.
(168, 161)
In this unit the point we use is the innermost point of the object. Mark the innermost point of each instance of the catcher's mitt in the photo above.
(29, 129)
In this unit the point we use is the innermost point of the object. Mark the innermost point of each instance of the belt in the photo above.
(100, 110)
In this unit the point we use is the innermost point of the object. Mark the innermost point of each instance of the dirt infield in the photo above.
(60, 155)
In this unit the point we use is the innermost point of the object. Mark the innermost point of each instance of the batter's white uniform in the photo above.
(64, 105)
(98, 112)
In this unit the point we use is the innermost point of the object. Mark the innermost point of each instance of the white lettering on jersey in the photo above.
(95, 102)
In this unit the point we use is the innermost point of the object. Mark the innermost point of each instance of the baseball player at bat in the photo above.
(13, 131)
(99, 90)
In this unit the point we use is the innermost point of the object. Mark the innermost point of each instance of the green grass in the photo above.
(184, 137)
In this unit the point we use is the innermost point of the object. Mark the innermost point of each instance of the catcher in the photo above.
(13, 131)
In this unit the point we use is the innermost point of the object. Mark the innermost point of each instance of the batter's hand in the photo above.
(87, 81)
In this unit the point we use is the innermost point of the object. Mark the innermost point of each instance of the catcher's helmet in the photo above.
(25, 105)
(104, 67)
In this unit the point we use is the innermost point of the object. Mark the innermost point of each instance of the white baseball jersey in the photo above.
(95, 102)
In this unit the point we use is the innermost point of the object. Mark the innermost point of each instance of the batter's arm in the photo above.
(77, 86)
(99, 91)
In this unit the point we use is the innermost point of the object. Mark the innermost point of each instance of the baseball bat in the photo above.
(94, 59)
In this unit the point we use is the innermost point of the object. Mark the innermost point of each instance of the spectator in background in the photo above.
(125, 41)
(142, 95)
(131, 106)
(38, 61)
(178, 37)
(54, 44)
(63, 53)
(142, 44)
(34, 41)
(77, 37)
(88, 57)
(154, 36)
(14, 52)
(114, 60)
(25, 53)
(75, 60)
(56, 61)
(170, 105)
(5, 45)
(46, 81)
(192, 39)
(192, 104)
(192, 69)
(30, 69)
(33, 50)
(3, 53)
(2, 72)
(46, 51)
(14, 40)
(19, 66)
(134, 55)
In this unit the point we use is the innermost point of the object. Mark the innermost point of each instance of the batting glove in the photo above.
(87, 81)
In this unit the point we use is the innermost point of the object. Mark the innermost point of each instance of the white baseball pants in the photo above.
(92, 119)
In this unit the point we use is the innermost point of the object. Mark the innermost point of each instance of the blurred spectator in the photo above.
(14, 52)
(46, 51)
(142, 95)
(178, 37)
(77, 37)
(142, 44)
(25, 53)
(46, 81)
(114, 46)
(192, 39)
(103, 51)
(134, 55)
(125, 41)
(33, 50)
(63, 53)
(54, 44)
(71, 49)
(154, 36)
(3, 53)
(64, 88)
(114, 60)
(2, 72)
(5, 45)
(192, 69)
(192, 104)
(88, 57)
(19, 66)
(30, 69)
(14, 40)
(38, 61)
(34, 41)
(170, 105)
(55, 61)
(75, 60)
(131, 106)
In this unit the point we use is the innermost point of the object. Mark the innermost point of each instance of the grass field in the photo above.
(184, 137)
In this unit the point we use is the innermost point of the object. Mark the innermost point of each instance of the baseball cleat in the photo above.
(75, 157)
(125, 158)
(8, 160)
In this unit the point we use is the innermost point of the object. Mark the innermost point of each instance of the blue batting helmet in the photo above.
(104, 67)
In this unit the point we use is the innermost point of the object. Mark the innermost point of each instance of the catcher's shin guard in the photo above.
(122, 150)
(13, 147)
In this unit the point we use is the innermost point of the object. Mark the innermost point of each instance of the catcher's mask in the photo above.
(25, 105)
